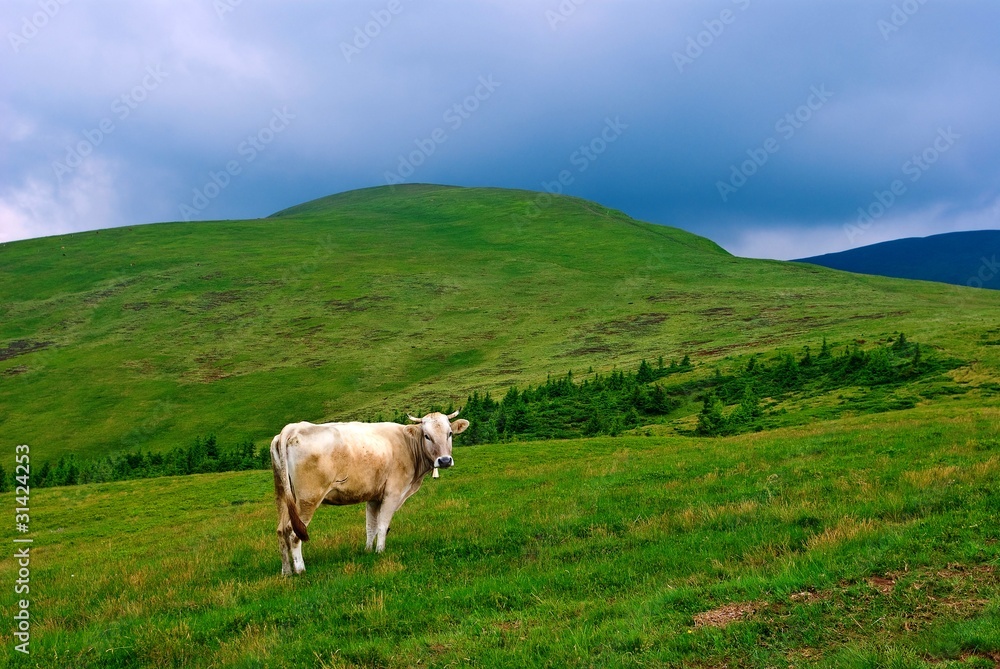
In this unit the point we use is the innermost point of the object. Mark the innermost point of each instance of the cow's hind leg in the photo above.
(371, 523)
(285, 532)
(306, 511)
(290, 545)
(298, 564)
(285, 535)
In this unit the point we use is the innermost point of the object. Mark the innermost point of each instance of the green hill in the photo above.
(398, 298)
(857, 529)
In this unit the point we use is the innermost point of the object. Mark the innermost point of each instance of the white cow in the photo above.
(349, 463)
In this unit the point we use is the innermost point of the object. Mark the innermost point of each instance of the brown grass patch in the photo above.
(884, 584)
(630, 324)
(255, 641)
(846, 529)
(691, 517)
(586, 350)
(509, 625)
(727, 614)
(808, 596)
(926, 477)
(22, 347)
(387, 566)
(718, 311)
(357, 304)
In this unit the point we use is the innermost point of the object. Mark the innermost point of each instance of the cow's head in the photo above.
(437, 430)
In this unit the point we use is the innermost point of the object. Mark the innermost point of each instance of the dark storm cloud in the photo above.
(764, 125)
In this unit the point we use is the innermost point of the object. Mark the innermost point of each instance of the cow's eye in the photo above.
(449, 435)
(429, 438)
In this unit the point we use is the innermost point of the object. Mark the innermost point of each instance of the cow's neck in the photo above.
(422, 464)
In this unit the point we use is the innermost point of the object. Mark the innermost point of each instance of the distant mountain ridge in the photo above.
(960, 258)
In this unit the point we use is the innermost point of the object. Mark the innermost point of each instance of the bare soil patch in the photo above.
(727, 614)
(22, 347)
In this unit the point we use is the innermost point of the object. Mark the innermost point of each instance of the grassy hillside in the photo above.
(866, 542)
(398, 298)
(858, 529)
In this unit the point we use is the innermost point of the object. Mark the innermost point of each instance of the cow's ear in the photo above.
(459, 426)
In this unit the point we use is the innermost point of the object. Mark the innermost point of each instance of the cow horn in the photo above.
(415, 420)
(452, 415)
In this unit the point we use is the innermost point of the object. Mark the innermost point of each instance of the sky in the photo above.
(778, 128)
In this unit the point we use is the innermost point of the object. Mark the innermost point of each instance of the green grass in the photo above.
(390, 299)
(860, 532)
(862, 542)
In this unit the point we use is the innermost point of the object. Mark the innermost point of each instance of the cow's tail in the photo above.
(283, 485)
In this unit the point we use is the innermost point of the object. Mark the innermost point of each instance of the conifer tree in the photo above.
(711, 420)
(824, 352)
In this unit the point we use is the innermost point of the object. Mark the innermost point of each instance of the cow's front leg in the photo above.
(371, 523)
(385, 513)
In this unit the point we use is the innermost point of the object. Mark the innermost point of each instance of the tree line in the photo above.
(201, 457)
(897, 362)
(558, 408)
(565, 408)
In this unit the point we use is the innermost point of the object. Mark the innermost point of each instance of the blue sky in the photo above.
(778, 128)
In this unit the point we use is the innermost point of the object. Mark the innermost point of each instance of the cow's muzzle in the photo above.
(444, 462)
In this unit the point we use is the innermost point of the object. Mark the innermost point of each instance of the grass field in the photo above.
(838, 537)
(868, 542)
(392, 299)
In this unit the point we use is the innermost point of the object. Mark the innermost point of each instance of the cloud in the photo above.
(791, 241)
(354, 117)
(87, 200)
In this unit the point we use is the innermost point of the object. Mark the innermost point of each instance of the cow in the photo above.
(350, 463)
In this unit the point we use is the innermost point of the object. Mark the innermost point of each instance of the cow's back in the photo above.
(345, 463)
